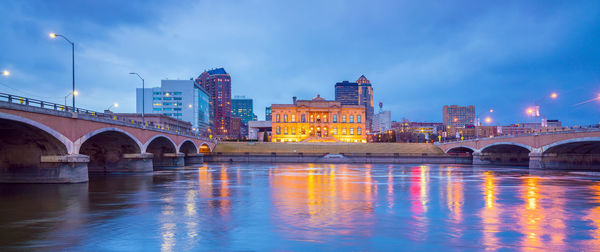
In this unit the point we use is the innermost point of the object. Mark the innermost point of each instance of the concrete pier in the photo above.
(170, 160)
(195, 158)
(51, 169)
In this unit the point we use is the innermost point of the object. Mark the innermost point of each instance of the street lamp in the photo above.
(74, 93)
(536, 108)
(116, 105)
(54, 35)
(5, 73)
(478, 121)
(143, 98)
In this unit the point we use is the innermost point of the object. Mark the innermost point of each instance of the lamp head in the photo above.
(5, 73)
(52, 35)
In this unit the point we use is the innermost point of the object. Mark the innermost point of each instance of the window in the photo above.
(177, 109)
(344, 131)
(334, 131)
(167, 114)
(156, 98)
(157, 104)
(302, 131)
(156, 93)
(167, 103)
(278, 130)
(344, 119)
(303, 118)
(177, 98)
(285, 118)
(351, 118)
(285, 131)
(334, 118)
(312, 118)
(157, 109)
(293, 130)
(167, 109)
(167, 98)
(278, 119)
(351, 131)
(358, 120)
(358, 130)
(293, 118)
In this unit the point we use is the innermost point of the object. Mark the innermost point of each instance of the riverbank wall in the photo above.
(366, 158)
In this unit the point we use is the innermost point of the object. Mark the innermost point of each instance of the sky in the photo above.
(418, 55)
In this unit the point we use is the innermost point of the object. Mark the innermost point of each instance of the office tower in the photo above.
(268, 113)
(242, 107)
(217, 83)
(458, 116)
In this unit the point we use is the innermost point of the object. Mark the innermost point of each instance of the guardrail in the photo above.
(297, 154)
(573, 130)
(106, 117)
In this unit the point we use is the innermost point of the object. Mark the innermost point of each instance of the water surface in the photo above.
(307, 207)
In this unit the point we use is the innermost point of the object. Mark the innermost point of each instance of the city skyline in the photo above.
(503, 56)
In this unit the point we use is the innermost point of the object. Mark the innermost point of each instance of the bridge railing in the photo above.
(580, 129)
(108, 117)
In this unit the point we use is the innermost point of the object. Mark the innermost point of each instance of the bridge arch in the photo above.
(84, 138)
(504, 146)
(55, 134)
(204, 148)
(582, 145)
(461, 149)
(108, 149)
(160, 138)
(187, 147)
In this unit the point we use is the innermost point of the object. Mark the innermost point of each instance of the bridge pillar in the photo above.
(536, 160)
(194, 158)
(52, 169)
(170, 160)
(137, 162)
(478, 159)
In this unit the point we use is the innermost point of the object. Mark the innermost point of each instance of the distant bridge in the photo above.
(43, 142)
(572, 149)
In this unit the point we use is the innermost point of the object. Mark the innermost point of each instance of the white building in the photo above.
(256, 127)
(382, 121)
(180, 99)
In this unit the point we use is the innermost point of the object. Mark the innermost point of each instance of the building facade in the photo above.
(382, 121)
(346, 93)
(217, 83)
(458, 116)
(318, 120)
(268, 113)
(181, 99)
(242, 107)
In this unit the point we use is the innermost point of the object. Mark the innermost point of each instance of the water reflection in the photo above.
(307, 206)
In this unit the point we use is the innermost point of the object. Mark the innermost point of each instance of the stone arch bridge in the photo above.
(572, 149)
(40, 142)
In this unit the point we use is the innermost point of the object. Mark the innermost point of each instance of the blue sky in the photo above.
(419, 55)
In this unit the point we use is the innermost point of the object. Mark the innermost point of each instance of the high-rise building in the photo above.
(458, 116)
(181, 99)
(357, 93)
(268, 113)
(217, 83)
(382, 121)
(243, 108)
(346, 93)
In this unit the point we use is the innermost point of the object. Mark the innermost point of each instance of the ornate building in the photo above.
(318, 120)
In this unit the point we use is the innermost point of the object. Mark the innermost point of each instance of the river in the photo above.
(307, 207)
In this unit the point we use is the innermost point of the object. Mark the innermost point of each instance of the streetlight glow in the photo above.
(190, 106)
(52, 35)
(116, 105)
(530, 111)
(553, 95)
(5, 73)
(75, 93)
(488, 119)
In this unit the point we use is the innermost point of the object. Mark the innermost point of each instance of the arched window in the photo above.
(278, 130)
(334, 118)
(303, 118)
(325, 133)
(359, 130)
(312, 118)
(351, 131)
(343, 118)
(351, 118)
(358, 119)
(293, 118)
(285, 118)
(344, 131)
(285, 131)
(278, 118)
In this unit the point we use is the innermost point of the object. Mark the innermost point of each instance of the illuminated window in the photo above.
(285, 118)
(285, 131)
(293, 118)
(334, 118)
(303, 118)
(351, 118)
(358, 120)
(278, 130)
(359, 130)
(344, 131)
(325, 118)
(351, 131)
(312, 118)
(278, 118)
(344, 119)
(293, 130)
(302, 131)
(334, 130)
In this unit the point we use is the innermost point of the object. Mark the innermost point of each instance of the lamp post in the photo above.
(54, 35)
(478, 124)
(536, 108)
(116, 105)
(74, 93)
(143, 98)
